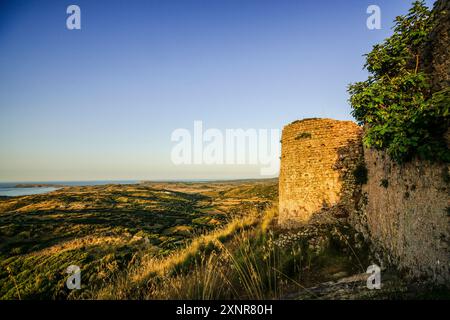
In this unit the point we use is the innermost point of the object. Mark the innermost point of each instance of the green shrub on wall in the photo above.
(400, 112)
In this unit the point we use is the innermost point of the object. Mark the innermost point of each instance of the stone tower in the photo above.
(318, 157)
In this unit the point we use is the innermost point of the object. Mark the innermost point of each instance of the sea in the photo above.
(15, 189)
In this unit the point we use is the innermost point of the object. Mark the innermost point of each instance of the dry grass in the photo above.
(191, 272)
(245, 259)
(113, 229)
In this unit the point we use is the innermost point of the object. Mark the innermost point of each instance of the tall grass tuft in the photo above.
(246, 259)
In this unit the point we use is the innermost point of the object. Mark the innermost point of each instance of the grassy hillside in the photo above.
(104, 229)
(249, 258)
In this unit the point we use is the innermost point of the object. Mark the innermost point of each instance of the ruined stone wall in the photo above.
(407, 214)
(317, 157)
(404, 210)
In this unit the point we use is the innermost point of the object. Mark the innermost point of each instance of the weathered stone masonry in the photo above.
(401, 209)
(316, 158)
(406, 215)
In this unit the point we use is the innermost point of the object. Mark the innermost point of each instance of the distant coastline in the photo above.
(17, 189)
(38, 185)
(60, 184)
(81, 183)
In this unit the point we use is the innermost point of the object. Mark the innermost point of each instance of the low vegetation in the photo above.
(249, 258)
(104, 229)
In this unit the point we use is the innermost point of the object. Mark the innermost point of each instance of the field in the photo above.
(103, 229)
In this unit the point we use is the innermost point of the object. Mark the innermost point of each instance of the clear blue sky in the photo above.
(102, 102)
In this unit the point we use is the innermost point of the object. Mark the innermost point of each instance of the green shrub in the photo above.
(400, 112)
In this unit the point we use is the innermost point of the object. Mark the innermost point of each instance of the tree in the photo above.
(395, 104)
